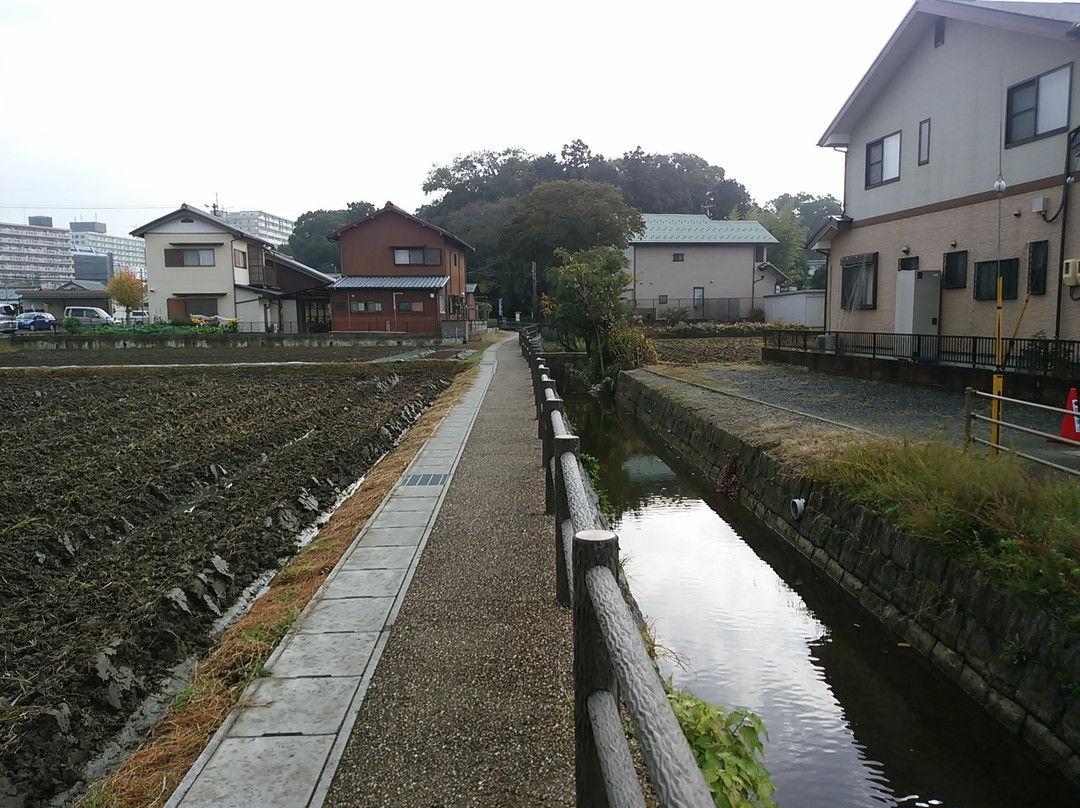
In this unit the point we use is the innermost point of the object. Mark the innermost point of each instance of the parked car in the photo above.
(89, 316)
(8, 324)
(139, 317)
(36, 321)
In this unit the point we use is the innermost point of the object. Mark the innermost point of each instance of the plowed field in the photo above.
(136, 504)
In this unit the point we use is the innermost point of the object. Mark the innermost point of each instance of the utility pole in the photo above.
(536, 298)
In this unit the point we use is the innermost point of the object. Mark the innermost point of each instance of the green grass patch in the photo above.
(1022, 530)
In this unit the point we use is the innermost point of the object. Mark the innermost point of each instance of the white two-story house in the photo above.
(959, 146)
(198, 264)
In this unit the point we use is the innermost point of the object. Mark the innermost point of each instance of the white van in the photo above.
(89, 316)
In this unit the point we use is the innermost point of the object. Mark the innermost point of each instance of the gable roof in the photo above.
(1050, 20)
(697, 228)
(187, 210)
(390, 207)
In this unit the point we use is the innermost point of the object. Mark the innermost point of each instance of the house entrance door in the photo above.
(918, 310)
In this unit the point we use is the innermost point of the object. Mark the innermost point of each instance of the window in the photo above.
(410, 305)
(189, 258)
(883, 160)
(986, 279)
(422, 256)
(1038, 107)
(908, 264)
(239, 259)
(1038, 258)
(939, 31)
(924, 142)
(663, 299)
(858, 283)
(955, 275)
(678, 257)
(191, 306)
(699, 297)
(759, 253)
(357, 306)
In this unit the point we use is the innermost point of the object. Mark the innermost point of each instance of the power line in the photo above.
(92, 207)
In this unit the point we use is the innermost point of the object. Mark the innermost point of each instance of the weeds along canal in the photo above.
(855, 716)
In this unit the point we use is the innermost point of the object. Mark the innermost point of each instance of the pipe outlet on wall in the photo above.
(797, 508)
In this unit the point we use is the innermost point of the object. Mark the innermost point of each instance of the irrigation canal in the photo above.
(855, 716)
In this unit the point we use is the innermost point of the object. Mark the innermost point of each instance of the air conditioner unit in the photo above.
(1071, 275)
(826, 342)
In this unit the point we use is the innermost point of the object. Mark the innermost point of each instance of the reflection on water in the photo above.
(854, 718)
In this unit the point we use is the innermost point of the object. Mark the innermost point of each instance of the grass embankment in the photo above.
(155, 769)
(995, 514)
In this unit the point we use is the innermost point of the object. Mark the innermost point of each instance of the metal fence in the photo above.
(971, 417)
(1040, 357)
(610, 659)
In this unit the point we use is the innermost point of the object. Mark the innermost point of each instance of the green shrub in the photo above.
(179, 321)
(72, 325)
(728, 749)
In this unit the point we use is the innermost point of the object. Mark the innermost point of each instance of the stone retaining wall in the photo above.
(1019, 663)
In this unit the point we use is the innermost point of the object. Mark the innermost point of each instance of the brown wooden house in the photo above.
(399, 274)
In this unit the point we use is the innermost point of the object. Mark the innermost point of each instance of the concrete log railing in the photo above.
(610, 659)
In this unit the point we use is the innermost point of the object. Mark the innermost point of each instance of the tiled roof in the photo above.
(384, 282)
(697, 228)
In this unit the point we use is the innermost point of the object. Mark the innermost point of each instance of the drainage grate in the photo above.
(425, 479)
(487, 363)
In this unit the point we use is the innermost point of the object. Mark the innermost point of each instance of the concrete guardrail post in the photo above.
(593, 670)
(561, 444)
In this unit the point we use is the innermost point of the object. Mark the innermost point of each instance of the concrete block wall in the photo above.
(1018, 662)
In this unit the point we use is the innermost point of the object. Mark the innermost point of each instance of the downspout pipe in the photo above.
(1072, 143)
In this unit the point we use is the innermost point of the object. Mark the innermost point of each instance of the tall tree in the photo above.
(308, 243)
(126, 289)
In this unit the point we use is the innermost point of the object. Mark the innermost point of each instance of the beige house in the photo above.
(718, 270)
(199, 264)
(957, 152)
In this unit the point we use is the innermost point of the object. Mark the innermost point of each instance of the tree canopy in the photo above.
(308, 243)
(126, 289)
(571, 215)
(791, 219)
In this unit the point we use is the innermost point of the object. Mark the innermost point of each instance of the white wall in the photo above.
(806, 307)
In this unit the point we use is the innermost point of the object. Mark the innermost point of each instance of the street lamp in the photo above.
(393, 299)
(999, 352)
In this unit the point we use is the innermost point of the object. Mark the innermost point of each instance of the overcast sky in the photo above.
(120, 110)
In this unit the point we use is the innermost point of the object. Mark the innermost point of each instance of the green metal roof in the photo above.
(697, 228)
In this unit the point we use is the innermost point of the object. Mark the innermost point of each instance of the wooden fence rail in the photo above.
(610, 658)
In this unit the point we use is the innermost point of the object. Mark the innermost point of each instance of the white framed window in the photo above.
(359, 306)
(1038, 107)
(883, 160)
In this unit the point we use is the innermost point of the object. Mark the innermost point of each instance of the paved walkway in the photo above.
(466, 707)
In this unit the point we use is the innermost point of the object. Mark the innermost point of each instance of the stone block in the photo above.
(974, 685)
(947, 661)
(1039, 694)
(874, 604)
(1039, 738)
(1068, 728)
(921, 639)
(834, 570)
(904, 550)
(974, 643)
(930, 564)
(1010, 714)
(949, 622)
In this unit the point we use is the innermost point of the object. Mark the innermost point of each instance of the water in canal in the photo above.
(855, 717)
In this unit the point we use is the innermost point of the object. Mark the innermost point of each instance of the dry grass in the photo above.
(804, 444)
(155, 769)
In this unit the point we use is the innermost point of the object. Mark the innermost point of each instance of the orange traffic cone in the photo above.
(1070, 424)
